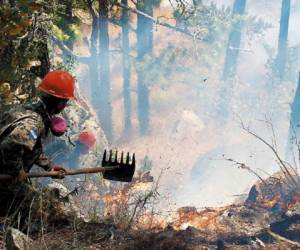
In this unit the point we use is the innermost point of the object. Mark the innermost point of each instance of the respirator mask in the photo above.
(53, 106)
(58, 125)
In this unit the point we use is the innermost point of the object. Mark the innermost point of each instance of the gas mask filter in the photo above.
(58, 125)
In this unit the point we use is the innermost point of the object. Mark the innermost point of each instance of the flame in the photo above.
(115, 202)
(283, 201)
(152, 221)
(295, 200)
(207, 219)
(118, 199)
(270, 203)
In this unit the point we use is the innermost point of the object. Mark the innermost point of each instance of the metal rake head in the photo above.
(124, 170)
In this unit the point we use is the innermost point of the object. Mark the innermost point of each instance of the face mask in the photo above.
(58, 125)
(59, 107)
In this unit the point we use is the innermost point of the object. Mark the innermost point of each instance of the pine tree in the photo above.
(105, 95)
(283, 38)
(234, 42)
(144, 48)
(126, 68)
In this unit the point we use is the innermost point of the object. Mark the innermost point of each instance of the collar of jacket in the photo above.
(40, 108)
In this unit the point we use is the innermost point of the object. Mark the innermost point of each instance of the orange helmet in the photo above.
(87, 138)
(58, 83)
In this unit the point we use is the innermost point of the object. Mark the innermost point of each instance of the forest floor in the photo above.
(268, 219)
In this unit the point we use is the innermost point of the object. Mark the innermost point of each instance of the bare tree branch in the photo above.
(63, 47)
(158, 22)
(245, 167)
(282, 165)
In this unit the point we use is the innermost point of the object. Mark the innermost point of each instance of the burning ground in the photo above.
(268, 219)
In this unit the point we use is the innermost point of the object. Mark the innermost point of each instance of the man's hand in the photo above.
(59, 169)
(21, 177)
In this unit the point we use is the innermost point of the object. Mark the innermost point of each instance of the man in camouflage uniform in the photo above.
(22, 131)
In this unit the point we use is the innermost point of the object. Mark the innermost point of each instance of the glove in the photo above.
(59, 169)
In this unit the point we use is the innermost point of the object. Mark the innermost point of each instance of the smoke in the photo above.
(188, 142)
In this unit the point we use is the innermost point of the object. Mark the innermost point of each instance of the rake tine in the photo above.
(104, 157)
(123, 169)
(133, 160)
(116, 157)
(110, 156)
(127, 159)
(122, 156)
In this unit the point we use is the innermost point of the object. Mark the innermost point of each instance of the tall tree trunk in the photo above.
(93, 65)
(230, 66)
(294, 130)
(283, 37)
(126, 68)
(67, 21)
(234, 42)
(105, 95)
(144, 47)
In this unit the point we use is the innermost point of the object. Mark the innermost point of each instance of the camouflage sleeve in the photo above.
(22, 138)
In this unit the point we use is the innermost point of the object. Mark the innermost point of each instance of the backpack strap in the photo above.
(5, 129)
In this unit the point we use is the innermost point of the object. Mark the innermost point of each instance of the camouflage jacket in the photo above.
(21, 133)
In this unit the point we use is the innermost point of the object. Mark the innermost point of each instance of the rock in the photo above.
(253, 194)
(16, 240)
(168, 233)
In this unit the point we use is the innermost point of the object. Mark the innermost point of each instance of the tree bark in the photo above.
(68, 20)
(234, 42)
(231, 59)
(105, 95)
(144, 47)
(95, 86)
(126, 68)
(294, 130)
(283, 38)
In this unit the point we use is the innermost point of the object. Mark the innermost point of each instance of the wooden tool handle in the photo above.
(57, 173)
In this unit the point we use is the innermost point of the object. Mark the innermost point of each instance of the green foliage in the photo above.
(65, 24)
(191, 60)
(16, 20)
(68, 65)
(26, 28)
(193, 66)
(23, 39)
(211, 23)
(57, 32)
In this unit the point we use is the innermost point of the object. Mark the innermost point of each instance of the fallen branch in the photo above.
(280, 238)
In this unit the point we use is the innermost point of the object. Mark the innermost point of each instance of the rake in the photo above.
(113, 168)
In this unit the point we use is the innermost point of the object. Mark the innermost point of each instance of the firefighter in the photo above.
(22, 132)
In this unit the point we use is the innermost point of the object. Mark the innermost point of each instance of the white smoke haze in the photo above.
(186, 142)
